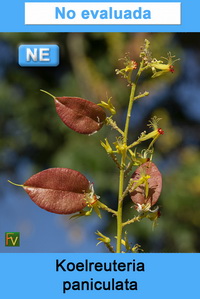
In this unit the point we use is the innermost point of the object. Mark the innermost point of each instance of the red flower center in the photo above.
(171, 68)
(160, 131)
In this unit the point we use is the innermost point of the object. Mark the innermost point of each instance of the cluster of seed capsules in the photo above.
(66, 191)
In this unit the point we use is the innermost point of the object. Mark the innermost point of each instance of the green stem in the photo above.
(123, 160)
(113, 124)
(115, 160)
(136, 218)
(18, 185)
(120, 207)
(110, 248)
(130, 106)
(49, 94)
(106, 208)
(134, 144)
(145, 94)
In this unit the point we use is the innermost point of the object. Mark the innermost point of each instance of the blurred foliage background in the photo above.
(33, 138)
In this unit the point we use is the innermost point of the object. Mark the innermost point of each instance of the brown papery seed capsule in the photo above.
(154, 182)
(80, 115)
(58, 190)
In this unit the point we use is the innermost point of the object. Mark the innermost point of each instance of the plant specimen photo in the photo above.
(66, 191)
(105, 144)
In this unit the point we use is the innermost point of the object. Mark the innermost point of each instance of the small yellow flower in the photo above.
(130, 65)
(120, 146)
(154, 135)
(108, 106)
(90, 197)
(102, 238)
(159, 68)
(107, 146)
(81, 214)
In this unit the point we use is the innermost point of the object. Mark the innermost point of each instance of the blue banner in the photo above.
(133, 16)
(96, 275)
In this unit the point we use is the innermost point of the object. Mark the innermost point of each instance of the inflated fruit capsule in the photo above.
(138, 196)
(60, 190)
(78, 114)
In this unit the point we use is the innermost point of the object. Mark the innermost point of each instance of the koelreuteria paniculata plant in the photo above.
(66, 191)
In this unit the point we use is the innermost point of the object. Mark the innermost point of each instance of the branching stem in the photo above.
(123, 160)
(110, 248)
(136, 218)
(113, 124)
(106, 208)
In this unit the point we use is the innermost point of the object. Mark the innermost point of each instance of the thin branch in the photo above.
(145, 94)
(106, 208)
(113, 124)
(136, 218)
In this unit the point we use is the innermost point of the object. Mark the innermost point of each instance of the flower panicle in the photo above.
(130, 65)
